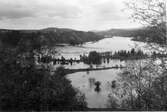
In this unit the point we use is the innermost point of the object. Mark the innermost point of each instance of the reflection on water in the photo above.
(91, 82)
(95, 97)
(97, 86)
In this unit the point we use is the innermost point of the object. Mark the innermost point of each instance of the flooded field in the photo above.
(85, 81)
(104, 45)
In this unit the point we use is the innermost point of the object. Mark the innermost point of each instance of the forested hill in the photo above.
(119, 32)
(48, 36)
(147, 34)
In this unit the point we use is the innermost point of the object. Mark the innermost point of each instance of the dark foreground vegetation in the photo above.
(24, 87)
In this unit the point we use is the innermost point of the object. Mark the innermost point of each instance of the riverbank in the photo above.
(70, 71)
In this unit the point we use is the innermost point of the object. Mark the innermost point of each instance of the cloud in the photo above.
(63, 11)
(22, 9)
(110, 11)
(15, 14)
(15, 10)
(76, 14)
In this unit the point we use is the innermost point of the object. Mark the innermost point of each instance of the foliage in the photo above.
(49, 37)
(152, 14)
(149, 12)
(93, 58)
(142, 86)
(144, 82)
(132, 54)
(24, 87)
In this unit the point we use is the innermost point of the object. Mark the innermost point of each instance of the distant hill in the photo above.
(48, 36)
(120, 32)
(146, 34)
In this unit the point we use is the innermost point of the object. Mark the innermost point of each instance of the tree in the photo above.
(141, 85)
(152, 14)
(24, 87)
(94, 57)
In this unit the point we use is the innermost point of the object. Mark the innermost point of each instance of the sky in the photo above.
(76, 14)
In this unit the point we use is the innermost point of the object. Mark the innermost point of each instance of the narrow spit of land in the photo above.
(70, 71)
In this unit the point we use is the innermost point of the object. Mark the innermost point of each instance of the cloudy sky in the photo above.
(76, 14)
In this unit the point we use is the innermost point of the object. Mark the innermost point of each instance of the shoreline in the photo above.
(70, 71)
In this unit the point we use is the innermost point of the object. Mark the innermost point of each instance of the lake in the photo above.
(106, 44)
(84, 81)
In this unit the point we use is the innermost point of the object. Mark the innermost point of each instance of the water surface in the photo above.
(107, 44)
(85, 81)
